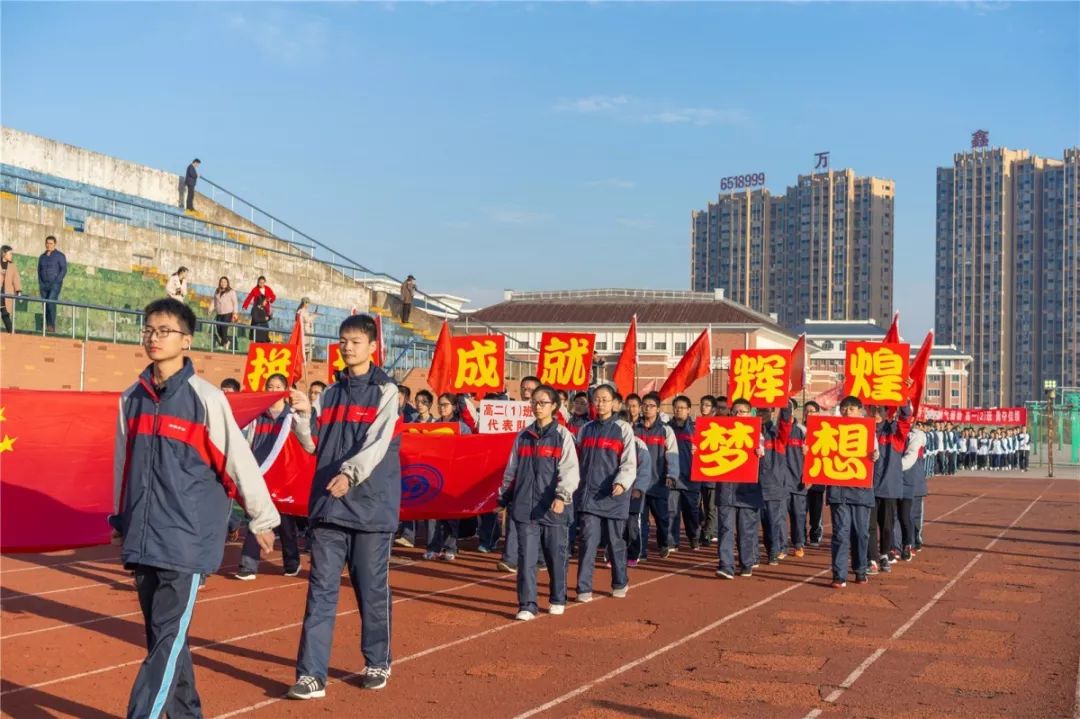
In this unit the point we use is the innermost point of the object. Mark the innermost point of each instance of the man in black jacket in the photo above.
(190, 179)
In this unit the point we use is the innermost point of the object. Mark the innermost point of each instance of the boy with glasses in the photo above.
(664, 452)
(180, 458)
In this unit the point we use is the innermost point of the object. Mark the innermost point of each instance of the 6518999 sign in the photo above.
(739, 182)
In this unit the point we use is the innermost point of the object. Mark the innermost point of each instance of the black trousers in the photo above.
(406, 310)
(165, 683)
(815, 506)
(882, 519)
(907, 526)
(190, 196)
(7, 319)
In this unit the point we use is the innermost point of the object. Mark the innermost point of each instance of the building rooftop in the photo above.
(617, 306)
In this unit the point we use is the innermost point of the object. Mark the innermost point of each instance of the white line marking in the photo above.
(690, 637)
(880, 651)
(211, 645)
(110, 584)
(57, 564)
(463, 640)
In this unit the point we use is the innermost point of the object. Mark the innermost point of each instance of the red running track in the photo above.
(983, 623)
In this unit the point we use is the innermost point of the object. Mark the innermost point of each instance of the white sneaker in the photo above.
(620, 592)
(584, 596)
(556, 609)
(524, 616)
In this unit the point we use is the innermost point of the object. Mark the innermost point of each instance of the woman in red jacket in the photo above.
(262, 289)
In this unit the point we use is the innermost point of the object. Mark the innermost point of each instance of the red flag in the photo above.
(448, 477)
(693, 366)
(379, 358)
(917, 373)
(650, 386)
(625, 370)
(798, 366)
(296, 347)
(893, 334)
(56, 465)
(442, 362)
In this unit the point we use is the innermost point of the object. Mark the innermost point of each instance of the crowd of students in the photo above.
(592, 477)
(950, 448)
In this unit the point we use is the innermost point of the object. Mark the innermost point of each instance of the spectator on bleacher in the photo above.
(12, 285)
(176, 287)
(190, 178)
(408, 291)
(260, 321)
(261, 289)
(51, 271)
(306, 315)
(226, 309)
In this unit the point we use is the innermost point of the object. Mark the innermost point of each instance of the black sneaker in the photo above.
(906, 554)
(861, 579)
(245, 576)
(374, 677)
(307, 688)
(884, 565)
(292, 572)
(747, 572)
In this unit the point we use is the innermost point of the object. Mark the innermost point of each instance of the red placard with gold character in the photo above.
(840, 451)
(265, 359)
(565, 359)
(479, 363)
(762, 377)
(725, 449)
(431, 428)
(877, 372)
(334, 363)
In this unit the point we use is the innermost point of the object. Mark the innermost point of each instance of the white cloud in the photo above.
(615, 182)
(516, 216)
(284, 35)
(593, 104)
(699, 116)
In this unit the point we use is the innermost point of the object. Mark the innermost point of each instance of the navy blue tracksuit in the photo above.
(850, 508)
(888, 482)
(664, 453)
(608, 456)
(685, 497)
(543, 466)
(797, 491)
(357, 437)
(774, 479)
(642, 483)
(180, 461)
(738, 505)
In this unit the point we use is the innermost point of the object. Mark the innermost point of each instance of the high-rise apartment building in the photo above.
(823, 250)
(1008, 270)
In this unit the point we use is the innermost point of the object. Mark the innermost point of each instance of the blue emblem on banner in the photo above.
(420, 483)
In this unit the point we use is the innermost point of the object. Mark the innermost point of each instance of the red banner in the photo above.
(877, 372)
(566, 359)
(56, 469)
(265, 359)
(431, 428)
(1000, 417)
(334, 363)
(762, 377)
(725, 449)
(840, 451)
(478, 364)
(56, 465)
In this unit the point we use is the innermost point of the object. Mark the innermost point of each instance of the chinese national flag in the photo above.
(892, 336)
(625, 370)
(693, 366)
(56, 465)
(440, 375)
(917, 372)
(798, 366)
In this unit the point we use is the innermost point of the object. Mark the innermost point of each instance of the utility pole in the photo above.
(1050, 386)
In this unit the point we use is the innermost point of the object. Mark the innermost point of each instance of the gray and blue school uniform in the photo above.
(850, 508)
(888, 481)
(685, 496)
(444, 537)
(738, 507)
(543, 466)
(775, 483)
(642, 482)
(664, 452)
(797, 491)
(608, 457)
(911, 466)
(358, 437)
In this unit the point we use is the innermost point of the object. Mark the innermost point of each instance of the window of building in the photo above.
(643, 345)
(601, 346)
(619, 346)
(680, 348)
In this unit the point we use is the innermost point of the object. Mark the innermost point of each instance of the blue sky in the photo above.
(535, 146)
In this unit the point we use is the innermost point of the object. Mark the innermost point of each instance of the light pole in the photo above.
(1049, 387)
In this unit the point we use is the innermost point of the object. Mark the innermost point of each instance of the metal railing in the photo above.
(122, 325)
